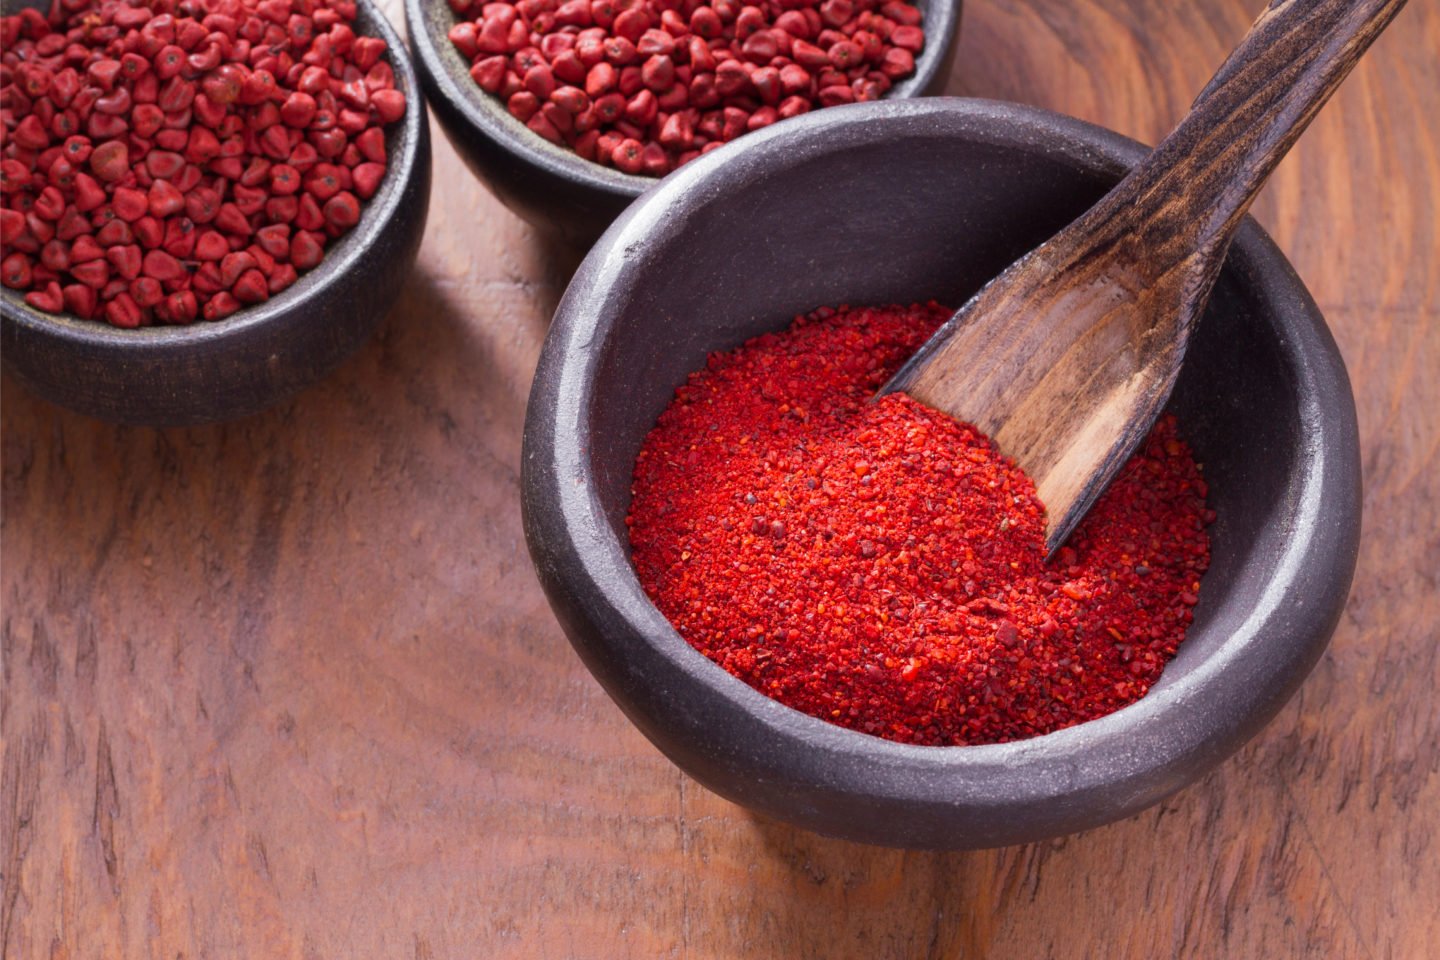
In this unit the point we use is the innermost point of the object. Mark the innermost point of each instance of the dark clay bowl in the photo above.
(937, 196)
(548, 185)
(258, 356)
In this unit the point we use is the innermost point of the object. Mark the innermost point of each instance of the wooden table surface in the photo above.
(287, 687)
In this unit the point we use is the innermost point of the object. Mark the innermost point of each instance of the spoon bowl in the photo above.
(939, 196)
(1066, 359)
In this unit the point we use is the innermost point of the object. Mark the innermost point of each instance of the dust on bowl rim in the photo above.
(341, 254)
(1262, 627)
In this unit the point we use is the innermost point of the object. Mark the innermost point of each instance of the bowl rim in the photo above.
(405, 143)
(484, 112)
(1121, 758)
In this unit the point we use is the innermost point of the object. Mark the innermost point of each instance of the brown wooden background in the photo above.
(287, 687)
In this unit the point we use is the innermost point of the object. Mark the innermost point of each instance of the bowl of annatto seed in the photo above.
(570, 109)
(838, 611)
(205, 205)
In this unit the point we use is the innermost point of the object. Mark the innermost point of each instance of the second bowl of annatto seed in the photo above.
(570, 109)
(838, 612)
(207, 204)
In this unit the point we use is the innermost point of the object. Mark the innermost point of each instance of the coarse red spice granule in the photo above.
(881, 566)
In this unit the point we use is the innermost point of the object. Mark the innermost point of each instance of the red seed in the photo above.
(55, 256)
(309, 216)
(163, 164)
(306, 249)
(15, 271)
(92, 273)
(130, 204)
(897, 63)
(48, 299)
(281, 278)
(761, 118)
(731, 78)
(251, 287)
(234, 264)
(80, 300)
(389, 105)
(149, 232)
(162, 266)
(342, 211)
(705, 22)
(298, 110)
(523, 105)
(284, 179)
(50, 204)
(123, 311)
(627, 156)
(760, 47)
(836, 12)
(164, 199)
(641, 108)
(179, 308)
(793, 107)
(371, 145)
(146, 292)
(619, 51)
(793, 22)
(600, 80)
(220, 306)
(658, 72)
(110, 161)
(205, 279)
(274, 240)
(126, 260)
(85, 249)
(543, 125)
(767, 84)
(368, 177)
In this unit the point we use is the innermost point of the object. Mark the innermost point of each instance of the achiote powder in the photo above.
(881, 566)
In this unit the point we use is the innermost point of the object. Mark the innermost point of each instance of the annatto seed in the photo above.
(148, 142)
(708, 55)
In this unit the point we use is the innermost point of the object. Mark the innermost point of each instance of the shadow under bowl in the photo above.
(938, 196)
(550, 186)
(260, 355)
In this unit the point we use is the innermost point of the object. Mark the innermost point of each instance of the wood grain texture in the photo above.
(287, 687)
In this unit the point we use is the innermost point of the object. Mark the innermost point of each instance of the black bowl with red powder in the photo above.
(566, 195)
(280, 321)
(941, 194)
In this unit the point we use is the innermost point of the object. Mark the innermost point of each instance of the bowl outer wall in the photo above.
(204, 372)
(1267, 633)
(547, 185)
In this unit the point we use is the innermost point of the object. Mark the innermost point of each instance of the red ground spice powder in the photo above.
(163, 161)
(881, 566)
(647, 85)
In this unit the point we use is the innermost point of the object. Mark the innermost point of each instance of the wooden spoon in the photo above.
(1067, 357)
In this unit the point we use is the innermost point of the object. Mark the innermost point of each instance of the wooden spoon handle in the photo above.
(1188, 196)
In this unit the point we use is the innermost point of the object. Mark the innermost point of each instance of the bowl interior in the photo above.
(948, 216)
(897, 202)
